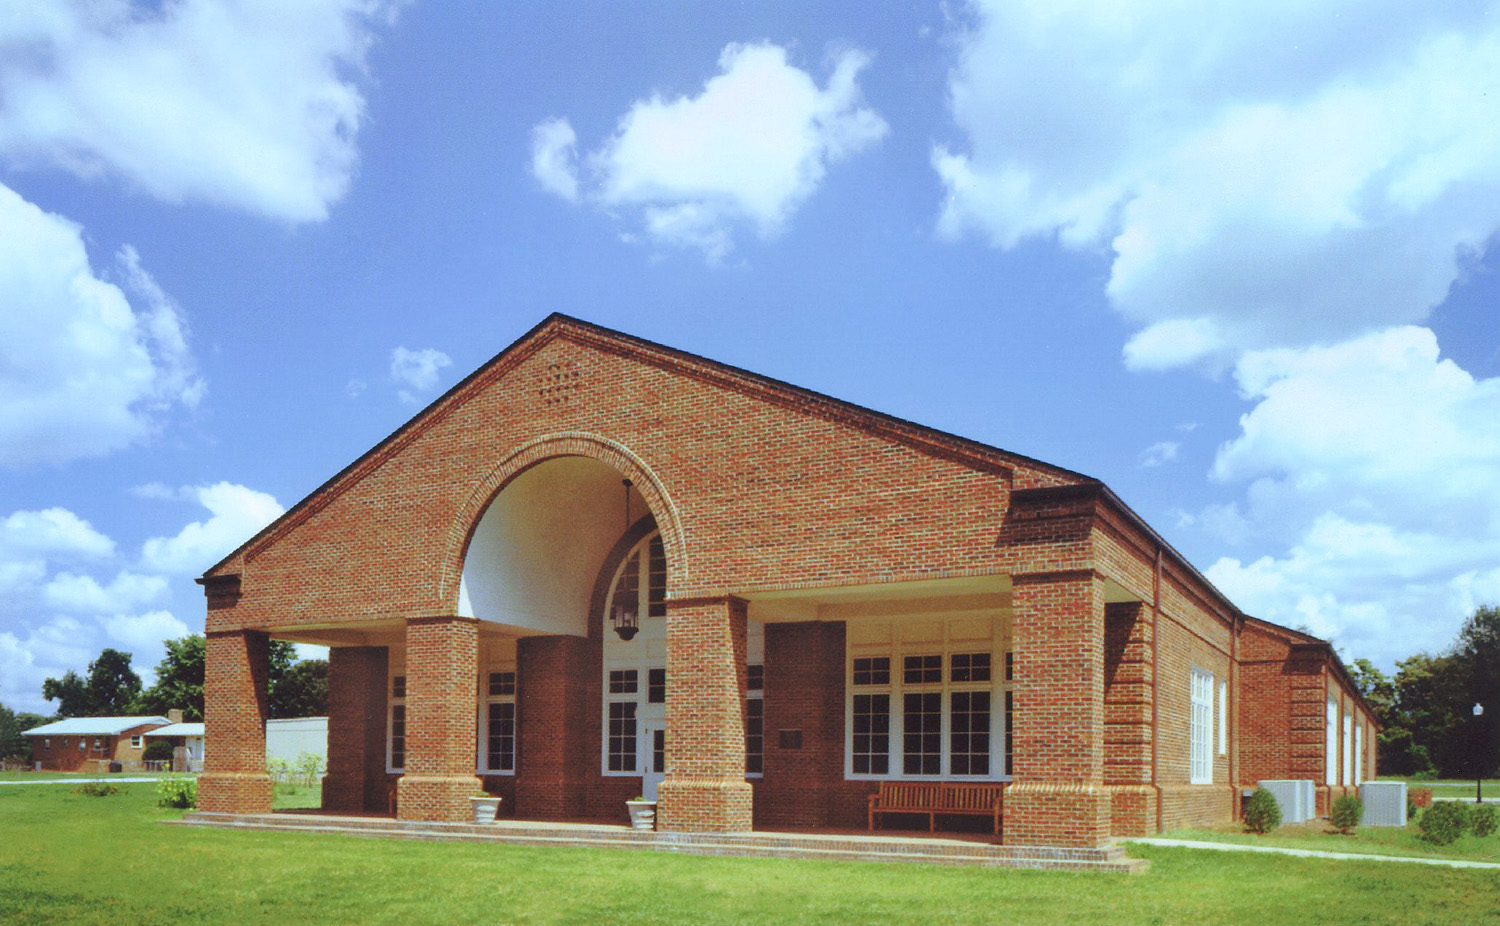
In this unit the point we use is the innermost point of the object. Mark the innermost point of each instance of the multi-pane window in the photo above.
(872, 734)
(621, 736)
(656, 579)
(946, 719)
(624, 681)
(396, 737)
(1010, 743)
(1223, 718)
(1348, 766)
(755, 719)
(498, 742)
(656, 686)
(1201, 722)
(1359, 755)
(1331, 744)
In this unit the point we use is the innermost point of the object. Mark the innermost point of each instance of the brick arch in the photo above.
(565, 444)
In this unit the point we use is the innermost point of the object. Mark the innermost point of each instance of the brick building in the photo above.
(599, 567)
(91, 744)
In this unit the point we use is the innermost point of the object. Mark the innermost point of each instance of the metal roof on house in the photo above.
(94, 726)
(177, 729)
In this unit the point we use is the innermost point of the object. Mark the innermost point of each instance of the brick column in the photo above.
(804, 693)
(553, 709)
(1129, 690)
(235, 707)
(442, 659)
(705, 788)
(1058, 797)
(356, 729)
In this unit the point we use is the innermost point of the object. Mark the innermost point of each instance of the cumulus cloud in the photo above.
(416, 371)
(243, 104)
(143, 634)
(1380, 459)
(236, 514)
(1160, 453)
(52, 532)
(1263, 176)
(82, 372)
(748, 150)
(83, 593)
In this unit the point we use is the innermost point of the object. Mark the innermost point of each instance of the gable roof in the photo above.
(177, 729)
(558, 325)
(94, 726)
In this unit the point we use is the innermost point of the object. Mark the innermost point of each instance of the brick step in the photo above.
(762, 845)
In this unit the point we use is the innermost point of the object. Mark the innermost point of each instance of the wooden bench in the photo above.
(977, 799)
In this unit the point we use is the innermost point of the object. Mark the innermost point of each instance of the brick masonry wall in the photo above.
(1129, 690)
(705, 787)
(1057, 636)
(356, 781)
(235, 710)
(551, 711)
(1189, 636)
(441, 718)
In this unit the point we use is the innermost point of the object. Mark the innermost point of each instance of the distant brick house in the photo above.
(599, 566)
(91, 743)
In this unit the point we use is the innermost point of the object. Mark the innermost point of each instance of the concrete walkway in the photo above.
(113, 779)
(1311, 853)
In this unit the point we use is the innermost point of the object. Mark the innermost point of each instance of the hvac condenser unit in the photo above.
(1385, 803)
(1294, 796)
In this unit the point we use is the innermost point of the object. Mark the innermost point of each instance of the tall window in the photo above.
(1201, 724)
(498, 746)
(755, 720)
(1223, 718)
(1348, 765)
(1359, 754)
(395, 760)
(1331, 745)
(925, 715)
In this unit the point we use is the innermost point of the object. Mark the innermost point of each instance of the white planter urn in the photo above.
(485, 808)
(642, 814)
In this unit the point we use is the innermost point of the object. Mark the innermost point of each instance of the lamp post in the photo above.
(1479, 752)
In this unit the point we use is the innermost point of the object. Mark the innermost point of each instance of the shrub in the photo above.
(158, 751)
(96, 789)
(1444, 822)
(1262, 813)
(1486, 818)
(1412, 810)
(1422, 797)
(1346, 813)
(181, 793)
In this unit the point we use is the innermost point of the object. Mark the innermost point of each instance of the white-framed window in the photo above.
(46, 744)
(135, 742)
(1348, 763)
(395, 734)
(755, 720)
(933, 703)
(1223, 718)
(497, 721)
(1200, 728)
(1359, 754)
(83, 744)
(1331, 745)
(635, 675)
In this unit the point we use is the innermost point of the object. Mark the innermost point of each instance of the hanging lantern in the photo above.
(624, 617)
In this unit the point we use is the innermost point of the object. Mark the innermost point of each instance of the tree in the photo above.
(179, 680)
(71, 694)
(301, 690)
(1477, 655)
(12, 724)
(113, 685)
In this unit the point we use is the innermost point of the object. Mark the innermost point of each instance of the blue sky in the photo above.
(1237, 262)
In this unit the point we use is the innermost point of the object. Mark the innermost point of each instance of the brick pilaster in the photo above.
(1058, 796)
(1129, 689)
(442, 662)
(804, 695)
(236, 671)
(357, 680)
(705, 788)
(553, 710)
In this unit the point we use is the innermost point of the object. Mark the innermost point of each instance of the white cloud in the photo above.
(1160, 453)
(1381, 462)
(52, 532)
(84, 594)
(143, 634)
(416, 371)
(44, 651)
(1265, 175)
(82, 373)
(235, 515)
(554, 158)
(748, 150)
(245, 104)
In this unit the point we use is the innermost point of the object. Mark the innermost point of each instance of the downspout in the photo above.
(1156, 686)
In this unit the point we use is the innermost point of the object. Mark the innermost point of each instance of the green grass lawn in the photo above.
(1451, 787)
(1370, 840)
(69, 858)
(67, 776)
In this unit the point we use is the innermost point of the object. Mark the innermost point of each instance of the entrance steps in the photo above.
(838, 847)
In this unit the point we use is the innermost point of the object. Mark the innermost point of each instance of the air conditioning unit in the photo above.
(1385, 803)
(1295, 797)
